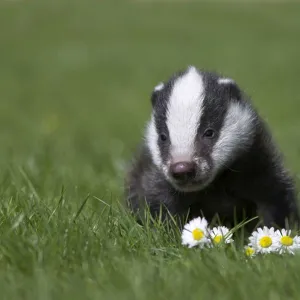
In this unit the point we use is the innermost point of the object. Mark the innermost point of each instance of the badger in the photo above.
(207, 152)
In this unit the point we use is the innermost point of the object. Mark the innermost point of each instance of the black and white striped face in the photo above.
(198, 125)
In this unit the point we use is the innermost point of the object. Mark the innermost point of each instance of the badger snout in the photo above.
(189, 175)
(183, 171)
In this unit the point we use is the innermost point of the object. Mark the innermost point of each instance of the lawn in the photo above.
(75, 81)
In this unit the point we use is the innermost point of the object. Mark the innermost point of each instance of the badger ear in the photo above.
(155, 93)
(231, 88)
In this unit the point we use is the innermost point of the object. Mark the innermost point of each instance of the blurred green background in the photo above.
(76, 77)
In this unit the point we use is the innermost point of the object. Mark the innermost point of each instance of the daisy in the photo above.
(249, 251)
(264, 240)
(287, 243)
(195, 233)
(220, 234)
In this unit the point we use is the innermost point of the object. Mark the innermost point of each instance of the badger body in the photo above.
(206, 151)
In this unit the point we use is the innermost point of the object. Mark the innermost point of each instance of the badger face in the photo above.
(199, 123)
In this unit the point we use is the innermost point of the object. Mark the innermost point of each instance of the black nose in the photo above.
(183, 170)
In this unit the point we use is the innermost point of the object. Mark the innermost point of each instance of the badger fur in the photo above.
(206, 151)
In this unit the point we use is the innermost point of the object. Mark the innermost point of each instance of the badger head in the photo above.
(200, 123)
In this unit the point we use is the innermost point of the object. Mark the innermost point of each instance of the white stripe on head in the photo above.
(183, 113)
(151, 139)
(236, 133)
(225, 80)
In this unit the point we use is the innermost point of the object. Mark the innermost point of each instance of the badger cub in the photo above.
(207, 152)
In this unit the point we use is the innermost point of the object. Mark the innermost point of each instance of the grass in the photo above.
(75, 81)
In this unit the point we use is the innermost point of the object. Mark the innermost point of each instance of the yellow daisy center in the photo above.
(198, 234)
(265, 242)
(218, 239)
(286, 240)
(249, 251)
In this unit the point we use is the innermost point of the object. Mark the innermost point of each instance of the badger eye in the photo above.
(163, 137)
(209, 133)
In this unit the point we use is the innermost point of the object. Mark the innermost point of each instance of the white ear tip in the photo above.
(225, 80)
(159, 87)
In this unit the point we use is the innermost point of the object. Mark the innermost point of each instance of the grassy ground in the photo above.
(75, 79)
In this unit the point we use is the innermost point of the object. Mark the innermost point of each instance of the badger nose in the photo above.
(183, 170)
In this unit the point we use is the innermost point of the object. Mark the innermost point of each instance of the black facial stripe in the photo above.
(214, 107)
(161, 128)
(160, 112)
(214, 110)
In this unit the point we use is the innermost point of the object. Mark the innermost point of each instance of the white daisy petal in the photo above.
(287, 243)
(264, 240)
(188, 227)
(259, 231)
(219, 235)
(195, 233)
